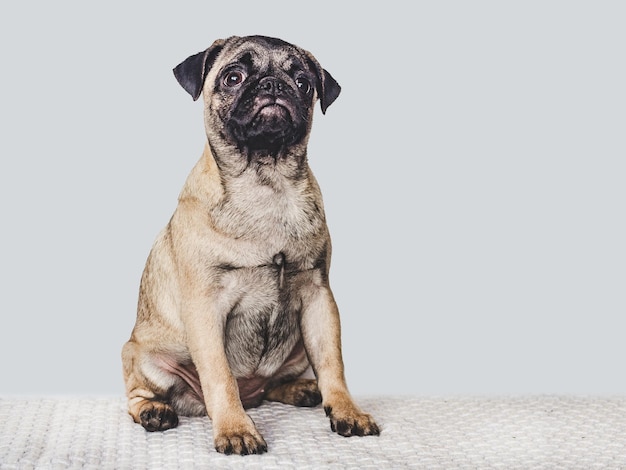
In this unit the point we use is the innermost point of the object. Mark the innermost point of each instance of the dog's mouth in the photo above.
(275, 112)
(271, 124)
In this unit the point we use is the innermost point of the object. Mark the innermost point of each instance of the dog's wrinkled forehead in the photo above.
(262, 54)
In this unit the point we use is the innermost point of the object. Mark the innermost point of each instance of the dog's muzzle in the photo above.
(268, 117)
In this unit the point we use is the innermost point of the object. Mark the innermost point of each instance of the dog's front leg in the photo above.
(322, 338)
(233, 430)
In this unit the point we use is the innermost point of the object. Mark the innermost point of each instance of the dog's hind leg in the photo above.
(148, 403)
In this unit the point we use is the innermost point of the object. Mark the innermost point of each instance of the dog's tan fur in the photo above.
(246, 252)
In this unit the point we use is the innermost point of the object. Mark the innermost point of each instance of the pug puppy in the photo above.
(234, 303)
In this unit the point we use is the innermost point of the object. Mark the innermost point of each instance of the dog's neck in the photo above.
(270, 167)
(214, 178)
(245, 204)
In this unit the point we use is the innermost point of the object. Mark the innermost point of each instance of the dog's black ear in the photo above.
(327, 87)
(192, 72)
(330, 90)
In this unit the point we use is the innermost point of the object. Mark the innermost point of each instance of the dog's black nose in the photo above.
(271, 85)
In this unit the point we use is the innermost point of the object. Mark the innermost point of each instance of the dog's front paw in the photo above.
(351, 422)
(240, 444)
(242, 439)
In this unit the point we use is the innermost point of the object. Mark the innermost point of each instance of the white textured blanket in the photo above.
(432, 433)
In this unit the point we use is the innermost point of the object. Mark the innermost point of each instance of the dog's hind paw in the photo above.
(299, 392)
(158, 416)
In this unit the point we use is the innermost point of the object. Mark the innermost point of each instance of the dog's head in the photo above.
(259, 94)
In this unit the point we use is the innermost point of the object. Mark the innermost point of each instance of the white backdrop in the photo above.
(473, 172)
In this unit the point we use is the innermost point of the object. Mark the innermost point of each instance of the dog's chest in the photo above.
(262, 328)
(276, 239)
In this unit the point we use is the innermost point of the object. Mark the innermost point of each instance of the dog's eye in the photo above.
(303, 84)
(234, 78)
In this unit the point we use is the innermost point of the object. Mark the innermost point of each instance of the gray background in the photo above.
(473, 173)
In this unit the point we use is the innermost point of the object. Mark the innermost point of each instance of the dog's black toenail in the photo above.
(343, 428)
